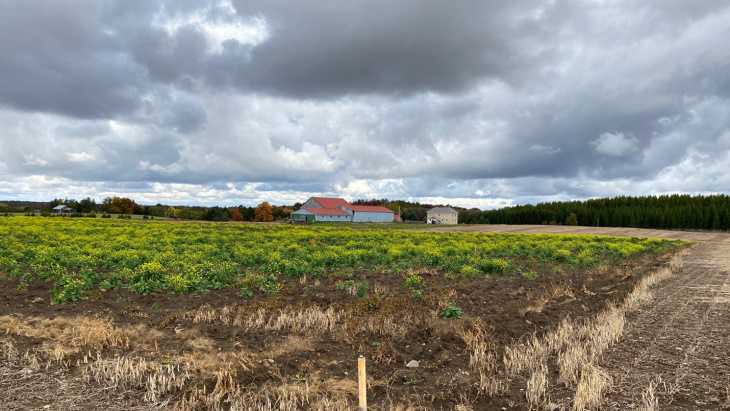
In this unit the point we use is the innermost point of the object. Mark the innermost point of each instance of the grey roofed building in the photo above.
(443, 210)
(62, 208)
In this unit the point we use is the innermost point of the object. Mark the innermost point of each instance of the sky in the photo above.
(472, 103)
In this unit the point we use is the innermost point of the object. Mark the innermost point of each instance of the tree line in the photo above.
(262, 212)
(125, 205)
(677, 211)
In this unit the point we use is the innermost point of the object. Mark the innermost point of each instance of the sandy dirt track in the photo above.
(674, 352)
(611, 231)
(679, 343)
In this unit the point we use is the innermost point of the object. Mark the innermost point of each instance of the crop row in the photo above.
(148, 257)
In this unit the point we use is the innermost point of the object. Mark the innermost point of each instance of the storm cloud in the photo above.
(473, 103)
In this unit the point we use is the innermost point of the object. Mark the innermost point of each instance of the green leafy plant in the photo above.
(529, 275)
(244, 292)
(271, 285)
(361, 288)
(68, 289)
(451, 312)
(451, 276)
(344, 285)
(468, 272)
(413, 281)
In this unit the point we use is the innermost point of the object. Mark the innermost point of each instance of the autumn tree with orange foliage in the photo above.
(120, 205)
(264, 212)
(236, 214)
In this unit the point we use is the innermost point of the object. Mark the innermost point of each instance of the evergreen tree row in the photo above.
(676, 211)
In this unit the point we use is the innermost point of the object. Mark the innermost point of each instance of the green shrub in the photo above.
(492, 265)
(112, 282)
(562, 256)
(361, 288)
(468, 272)
(451, 312)
(244, 292)
(413, 281)
(431, 258)
(530, 275)
(147, 278)
(345, 284)
(271, 285)
(68, 289)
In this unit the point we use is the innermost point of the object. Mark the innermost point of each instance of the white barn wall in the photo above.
(372, 217)
(333, 218)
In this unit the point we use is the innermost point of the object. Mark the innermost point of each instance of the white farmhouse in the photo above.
(442, 215)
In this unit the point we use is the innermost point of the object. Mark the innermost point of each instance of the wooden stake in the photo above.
(362, 383)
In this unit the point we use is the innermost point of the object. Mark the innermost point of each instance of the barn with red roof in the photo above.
(337, 209)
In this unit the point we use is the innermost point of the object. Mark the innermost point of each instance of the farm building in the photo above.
(442, 215)
(337, 209)
(321, 214)
(62, 209)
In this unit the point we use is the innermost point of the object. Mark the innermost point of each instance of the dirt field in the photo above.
(674, 351)
(671, 353)
(676, 348)
(610, 231)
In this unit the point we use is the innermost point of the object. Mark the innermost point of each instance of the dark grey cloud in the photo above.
(57, 58)
(325, 48)
(477, 101)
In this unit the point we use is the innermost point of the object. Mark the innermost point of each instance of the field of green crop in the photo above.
(79, 256)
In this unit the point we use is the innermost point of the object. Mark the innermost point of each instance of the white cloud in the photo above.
(170, 170)
(370, 188)
(312, 158)
(82, 157)
(33, 160)
(616, 144)
(218, 21)
(466, 202)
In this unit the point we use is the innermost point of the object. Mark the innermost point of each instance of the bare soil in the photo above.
(678, 342)
(674, 352)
